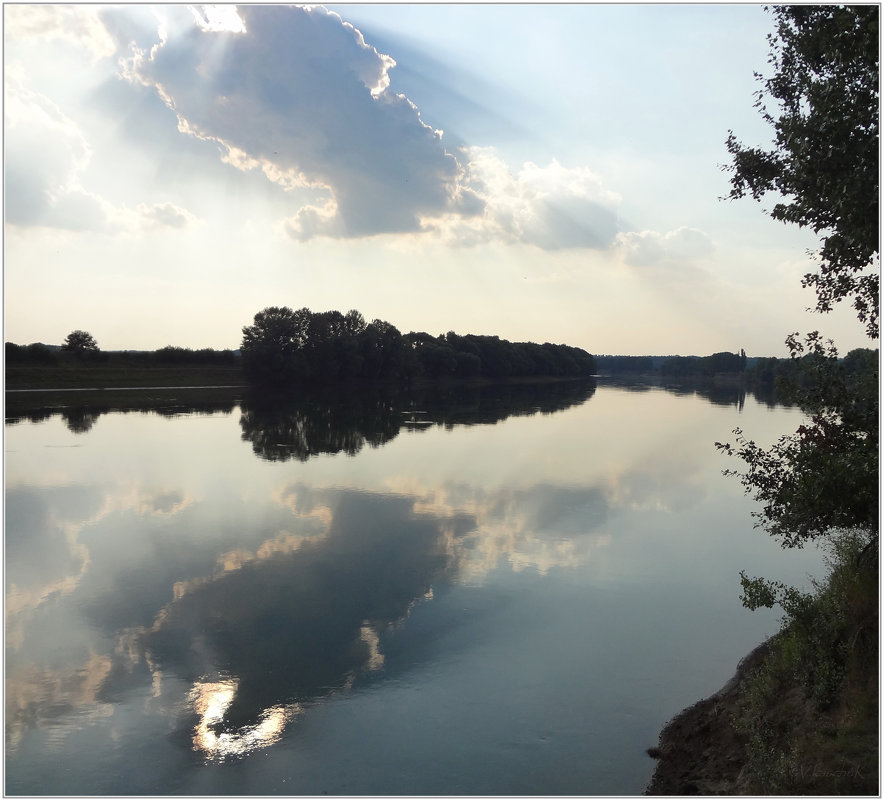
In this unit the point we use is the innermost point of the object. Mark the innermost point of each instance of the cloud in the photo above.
(313, 221)
(682, 247)
(296, 96)
(552, 207)
(218, 18)
(300, 95)
(166, 215)
(78, 25)
(540, 527)
(46, 154)
(40, 695)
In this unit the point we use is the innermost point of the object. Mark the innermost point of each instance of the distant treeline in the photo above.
(169, 356)
(765, 372)
(673, 366)
(284, 345)
(288, 347)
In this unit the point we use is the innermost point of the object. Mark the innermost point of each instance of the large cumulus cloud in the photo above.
(294, 95)
(299, 94)
(302, 96)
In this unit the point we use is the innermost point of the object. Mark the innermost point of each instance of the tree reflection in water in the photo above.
(308, 424)
(298, 428)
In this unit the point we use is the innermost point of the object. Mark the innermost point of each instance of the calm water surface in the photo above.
(505, 591)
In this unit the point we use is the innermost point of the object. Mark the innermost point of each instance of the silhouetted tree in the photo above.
(823, 168)
(80, 342)
(272, 346)
(284, 346)
(824, 477)
(15, 353)
(616, 365)
(386, 353)
(723, 362)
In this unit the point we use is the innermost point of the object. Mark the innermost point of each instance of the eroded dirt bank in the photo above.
(831, 752)
(699, 752)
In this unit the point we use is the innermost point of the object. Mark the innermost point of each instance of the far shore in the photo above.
(99, 377)
(125, 389)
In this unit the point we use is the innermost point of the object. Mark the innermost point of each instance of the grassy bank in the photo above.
(100, 376)
(800, 717)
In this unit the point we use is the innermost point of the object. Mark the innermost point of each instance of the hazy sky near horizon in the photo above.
(540, 172)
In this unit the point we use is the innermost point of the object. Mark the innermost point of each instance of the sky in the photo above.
(539, 172)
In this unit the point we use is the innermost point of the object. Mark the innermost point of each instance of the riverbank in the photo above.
(117, 377)
(707, 750)
(700, 752)
(22, 377)
(94, 390)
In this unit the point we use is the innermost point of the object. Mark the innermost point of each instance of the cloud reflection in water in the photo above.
(290, 590)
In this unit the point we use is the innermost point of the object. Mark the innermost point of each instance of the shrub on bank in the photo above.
(810, 712)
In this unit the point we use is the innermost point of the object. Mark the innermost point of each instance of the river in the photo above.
(472, 591)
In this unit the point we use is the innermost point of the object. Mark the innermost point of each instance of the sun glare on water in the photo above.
(211, 701)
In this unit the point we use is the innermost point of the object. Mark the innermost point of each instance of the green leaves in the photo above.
(825, 475)
(761, 592)
(824, 165)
